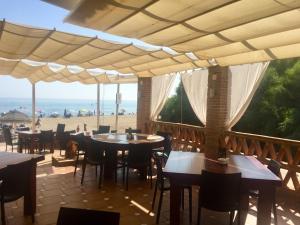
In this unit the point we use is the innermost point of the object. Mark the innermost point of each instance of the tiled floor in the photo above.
(56, 187)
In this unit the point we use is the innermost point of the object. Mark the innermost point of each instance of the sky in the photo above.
(40, 14)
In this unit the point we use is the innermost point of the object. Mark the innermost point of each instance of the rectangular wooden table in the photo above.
(9, 158)
(184, 168)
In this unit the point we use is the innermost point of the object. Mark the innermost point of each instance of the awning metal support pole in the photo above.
(33, 107)
(117, 106)
(98, 105)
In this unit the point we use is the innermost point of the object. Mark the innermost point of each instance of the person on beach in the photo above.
(38, 123)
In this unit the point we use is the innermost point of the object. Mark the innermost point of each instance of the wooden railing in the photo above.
(185, 137)
(287, 152)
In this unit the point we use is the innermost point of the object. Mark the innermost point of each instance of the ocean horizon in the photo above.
(46, 107)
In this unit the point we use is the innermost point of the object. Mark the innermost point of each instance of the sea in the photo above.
(46, 107)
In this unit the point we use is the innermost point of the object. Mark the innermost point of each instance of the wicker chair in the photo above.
(162, 183)
(94, 155)
(9, 139)
(13, 186)
(220, 192)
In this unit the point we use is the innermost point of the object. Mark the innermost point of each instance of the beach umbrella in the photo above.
(15, 116)
(83, 110)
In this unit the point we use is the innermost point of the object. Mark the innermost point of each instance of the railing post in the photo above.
(218, 105)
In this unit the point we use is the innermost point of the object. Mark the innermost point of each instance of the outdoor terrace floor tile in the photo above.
(56, 187)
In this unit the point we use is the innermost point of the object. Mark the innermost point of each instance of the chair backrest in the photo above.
(94, 151)
(60, 128)
(7, 135)
(15, 179)
(75, 216)
(159, 170)
(79, 138)
(64, 138)
(137, 131)
(167, 141)
(46, 136)
(139, 155)
(274, 166)
(95, 132)
(220, 192)
(103, 129)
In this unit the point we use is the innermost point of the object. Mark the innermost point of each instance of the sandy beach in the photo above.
(125, 121)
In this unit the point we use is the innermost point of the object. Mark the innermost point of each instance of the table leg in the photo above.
(30, 193)
(31, 147)
(264, 205)
(20, 146)
(174, 203)
(244, 207)
(110, 163)
(52, 147)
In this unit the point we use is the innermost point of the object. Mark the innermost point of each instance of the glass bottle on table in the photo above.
(129, 134)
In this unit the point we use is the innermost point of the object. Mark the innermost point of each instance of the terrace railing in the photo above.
(185, 137)
(286, 151)
(264, 148)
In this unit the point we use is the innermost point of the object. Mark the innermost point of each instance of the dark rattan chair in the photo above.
(9, 139)
(94, 155)
(63, 140)
(24, 142)
(220, 192)
(59, 135)
(81, 147)
(123, 154)
(46, 139)
(135, 131)
(274, 166)
(75, 216)
(13, 186)
(102, 130)
(139, 157)
(162, 183)
(165, 150)
(60, 128)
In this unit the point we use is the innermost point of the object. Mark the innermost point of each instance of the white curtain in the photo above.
(245, 81)
(195, 86)
(161, 87)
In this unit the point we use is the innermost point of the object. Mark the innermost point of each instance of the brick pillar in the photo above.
(144, 103)
(218, 102)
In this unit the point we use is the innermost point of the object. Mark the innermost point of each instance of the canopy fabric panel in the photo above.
(232, 32)
(41, 45)
(46, 72)
(19, 42)
(66, 4)
(138, 17)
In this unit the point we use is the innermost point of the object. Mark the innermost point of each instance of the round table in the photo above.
(121, 139)
(112, 142)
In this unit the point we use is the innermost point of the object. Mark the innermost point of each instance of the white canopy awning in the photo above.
(230, 31)
(49, 72)
(42, 45)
